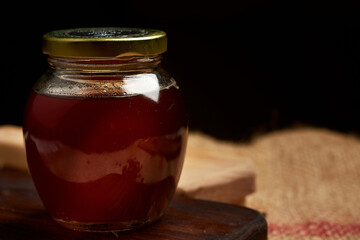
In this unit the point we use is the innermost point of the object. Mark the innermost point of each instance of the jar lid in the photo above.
(104, 42)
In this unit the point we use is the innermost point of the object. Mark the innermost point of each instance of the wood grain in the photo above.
(22, 216)
(214, 170)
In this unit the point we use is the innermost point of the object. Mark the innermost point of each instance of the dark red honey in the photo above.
(106, 160)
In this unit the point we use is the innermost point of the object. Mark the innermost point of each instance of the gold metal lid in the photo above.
(104, 42)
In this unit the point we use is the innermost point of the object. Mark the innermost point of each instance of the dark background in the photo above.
(245, 67)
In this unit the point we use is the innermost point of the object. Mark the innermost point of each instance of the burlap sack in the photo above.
(308, 183)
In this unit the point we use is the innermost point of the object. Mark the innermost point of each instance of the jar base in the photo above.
(106, 226)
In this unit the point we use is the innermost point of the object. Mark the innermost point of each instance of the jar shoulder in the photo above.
(64, 83)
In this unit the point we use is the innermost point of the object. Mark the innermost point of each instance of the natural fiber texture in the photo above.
(308, 183)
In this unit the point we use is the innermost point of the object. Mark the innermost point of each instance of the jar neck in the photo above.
(123, 64)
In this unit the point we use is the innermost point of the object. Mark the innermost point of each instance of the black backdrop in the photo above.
(245, 67)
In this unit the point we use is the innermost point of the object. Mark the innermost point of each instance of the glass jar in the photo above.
(105, 129)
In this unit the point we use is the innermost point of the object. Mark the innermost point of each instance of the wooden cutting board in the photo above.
(213, 170)
(22, 216)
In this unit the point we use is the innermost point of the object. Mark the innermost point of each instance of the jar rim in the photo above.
(104, 42)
